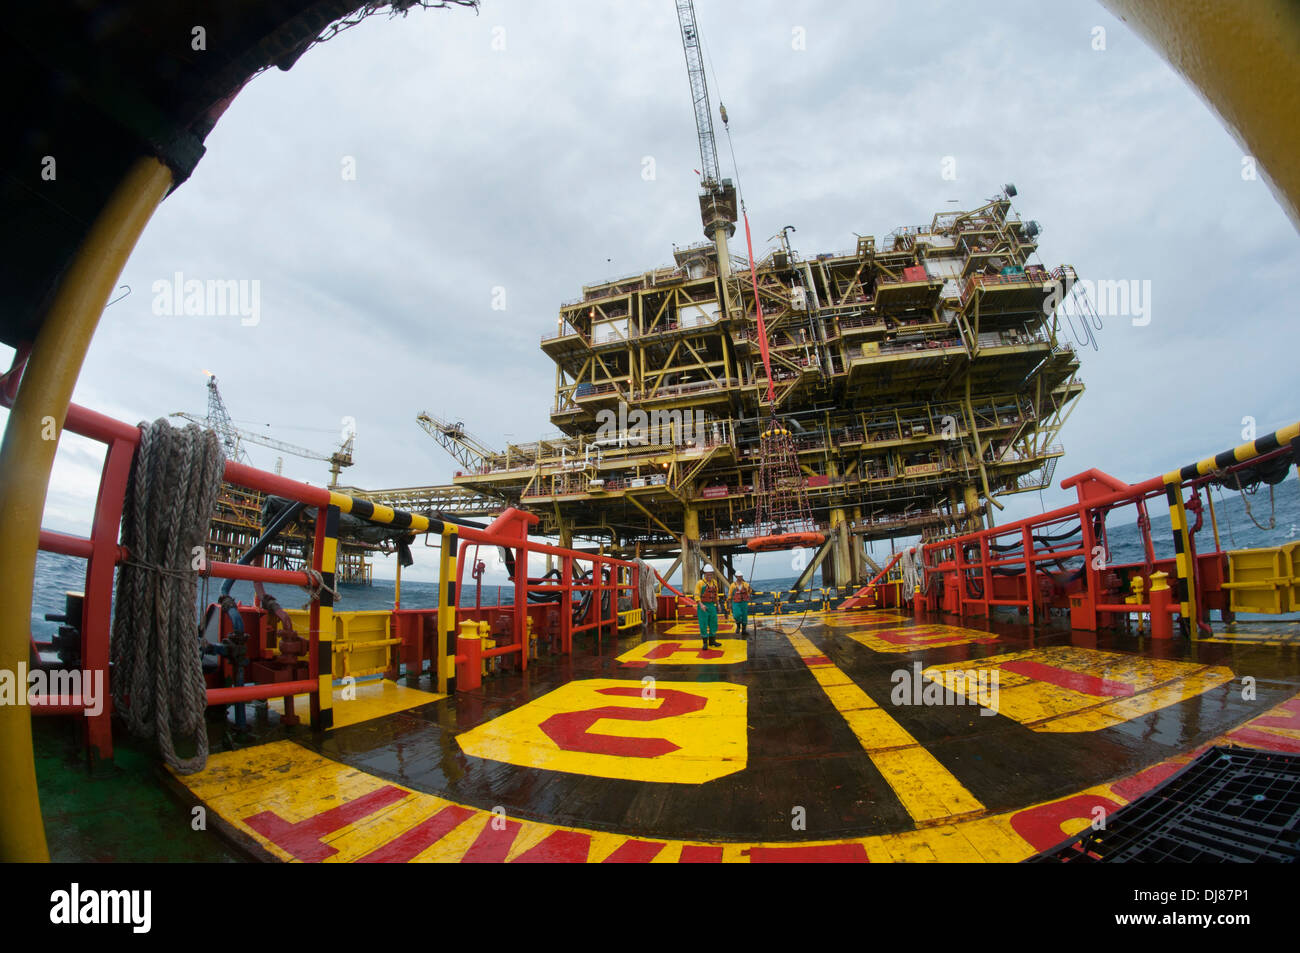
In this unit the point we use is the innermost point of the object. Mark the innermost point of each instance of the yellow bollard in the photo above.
(1139, 586)
(485, 636)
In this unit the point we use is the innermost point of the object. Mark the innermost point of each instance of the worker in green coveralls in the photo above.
(708, 593)
(740, 595)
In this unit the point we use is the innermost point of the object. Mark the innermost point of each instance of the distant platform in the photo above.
(849, 737)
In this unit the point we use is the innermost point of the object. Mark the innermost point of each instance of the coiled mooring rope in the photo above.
(913, 571)
(158, 685)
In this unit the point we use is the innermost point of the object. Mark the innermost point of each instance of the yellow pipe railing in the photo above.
(26, 458)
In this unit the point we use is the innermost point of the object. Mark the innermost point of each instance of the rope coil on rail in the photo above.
(318, 586)
(158, 684)
(913, 571)
(1245, 501)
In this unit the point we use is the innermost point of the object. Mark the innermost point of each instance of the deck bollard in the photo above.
(469, 647)
(1138, 586)
(918, 603)
(1162, 623)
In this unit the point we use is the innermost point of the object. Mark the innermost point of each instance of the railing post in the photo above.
(597, 594)
(986, 573)
(1083, 609)
(521, 597)
(447, 602)
(1031, 577)
(321, 653)
(566, 605)
(1184, 591)
(95, 615)
(958, 554)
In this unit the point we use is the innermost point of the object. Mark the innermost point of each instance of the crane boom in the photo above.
(233, 439)
(467, 451)
(219, 420)
(246, 436)
(717, 195)
(699, 94)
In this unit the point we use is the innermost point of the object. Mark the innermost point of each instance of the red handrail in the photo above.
(102, 553)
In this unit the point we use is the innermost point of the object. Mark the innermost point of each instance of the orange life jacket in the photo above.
(709, 592)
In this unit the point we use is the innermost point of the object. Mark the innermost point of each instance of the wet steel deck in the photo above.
(821, 737)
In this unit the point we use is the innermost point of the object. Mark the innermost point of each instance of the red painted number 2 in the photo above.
(571, 729)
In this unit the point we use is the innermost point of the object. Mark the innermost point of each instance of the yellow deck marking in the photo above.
(687, 652)
(299, 787)
(1267, 633)
(707, 740)
(1047, 707)
(373, 700)
(356, 840)
(994, 839)
(1271, 643)
(917, 637)
(287, 780)
(725, 627)
(854, 617)
(453, 845)
(949, 846)
(927, 790)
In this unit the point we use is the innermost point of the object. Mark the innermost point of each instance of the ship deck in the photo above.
(856, 736)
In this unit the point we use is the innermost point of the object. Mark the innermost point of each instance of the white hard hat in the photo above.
(708, 568)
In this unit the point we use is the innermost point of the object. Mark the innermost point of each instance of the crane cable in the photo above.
(753, 277)
(753, 274)
(749, 241)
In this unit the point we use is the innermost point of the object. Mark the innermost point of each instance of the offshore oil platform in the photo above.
(915, 380)
(241, 515)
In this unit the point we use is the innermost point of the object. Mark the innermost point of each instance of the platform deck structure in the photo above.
(921, 378)
(825, 736)
(237, 524)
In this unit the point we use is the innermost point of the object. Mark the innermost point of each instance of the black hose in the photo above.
(231, 608)
(584, 602)
(286, 516)
(1059, 536)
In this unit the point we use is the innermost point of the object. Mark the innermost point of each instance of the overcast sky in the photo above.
(505, 150)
